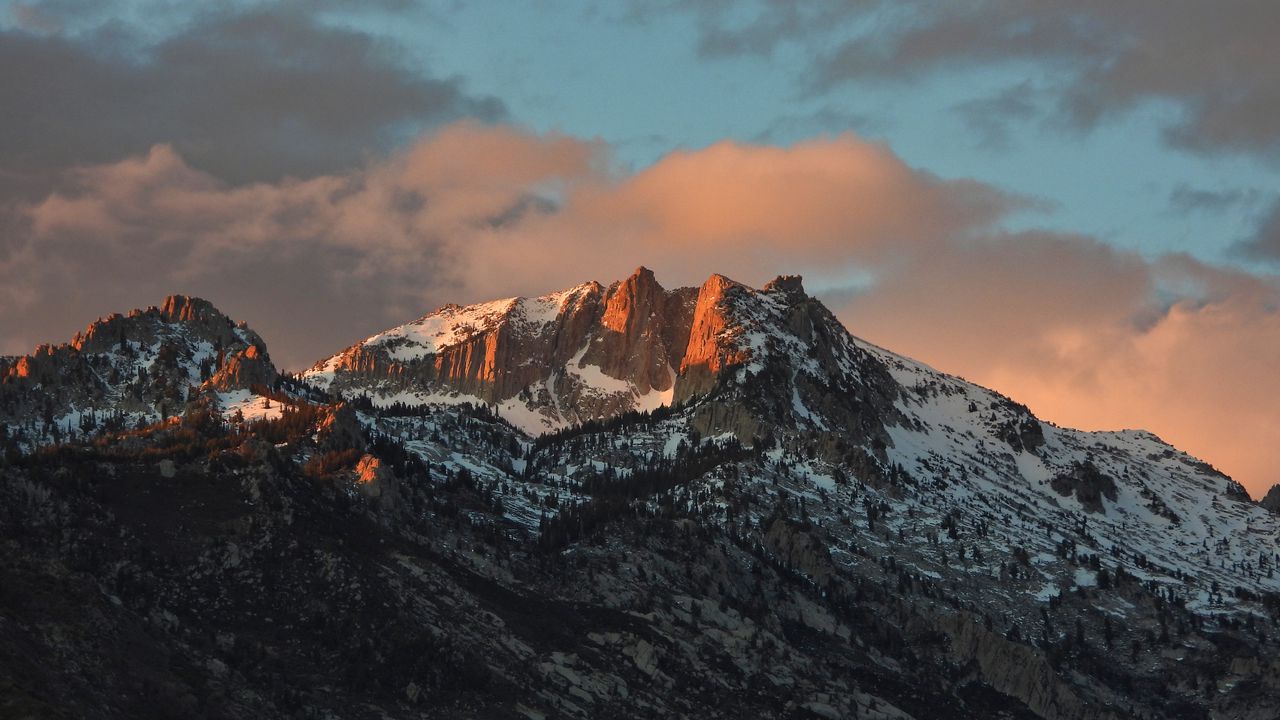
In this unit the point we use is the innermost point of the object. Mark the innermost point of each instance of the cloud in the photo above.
(1265, 243)
(314, 264)
(989, 118)
(1217, 62)
(820, 207)
(245, 93)
(1185, 199)
(1092, 338)
(1086, 334)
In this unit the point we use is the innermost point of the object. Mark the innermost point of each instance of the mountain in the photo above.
(591, 352)
(548, 362)
(123, 370)
(624, 501)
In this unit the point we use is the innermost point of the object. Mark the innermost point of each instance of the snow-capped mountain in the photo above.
(772, 368)
(582, 354)
(122, 370)
(546, 362)
(962, 486)
(710, 502)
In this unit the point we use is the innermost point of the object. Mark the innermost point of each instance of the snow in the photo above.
(1033, 468)
(673, 442)
(655, 399)
(531, 420)
(417, 397)
(444, 328)
(546, 309)
(453, 324)
(595, 378)
(1169, 521)
(252, 407)
(1047, 592)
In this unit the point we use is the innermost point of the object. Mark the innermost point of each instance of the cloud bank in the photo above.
(1215, 61)
(1087, 335)
(245, 93)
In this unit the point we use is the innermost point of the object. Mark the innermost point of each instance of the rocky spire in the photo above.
(708, 351)
(785, 283)
(632, 340)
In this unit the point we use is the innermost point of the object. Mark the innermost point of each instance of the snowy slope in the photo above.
(952, 470)
(554, 397)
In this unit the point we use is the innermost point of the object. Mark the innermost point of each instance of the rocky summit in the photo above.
(122, 371)
(621, 501)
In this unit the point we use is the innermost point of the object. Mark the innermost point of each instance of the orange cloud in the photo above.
(1086, 335)
(820, 207)
(1078, 333)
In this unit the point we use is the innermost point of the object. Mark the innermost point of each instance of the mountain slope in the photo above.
(549, 361)
(707, 502)
(774, 367)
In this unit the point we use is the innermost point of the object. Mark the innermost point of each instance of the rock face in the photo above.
(1271, 500)
(127, 368)
(1088, 484)
(592, 352)
(641, 333)
(586, 352)
(712, 345)
(247, 369)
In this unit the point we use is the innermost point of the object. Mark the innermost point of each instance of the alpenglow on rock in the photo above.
(585, 353)
(125, 369)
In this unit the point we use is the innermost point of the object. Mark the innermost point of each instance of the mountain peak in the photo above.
(718, 283)
(138, 366)
(642, 272)
(786, 283)
(578, 354)
(186, 308)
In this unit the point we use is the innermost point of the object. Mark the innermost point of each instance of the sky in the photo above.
(1072, 202)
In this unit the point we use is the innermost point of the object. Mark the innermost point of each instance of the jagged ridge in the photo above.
(125, 369)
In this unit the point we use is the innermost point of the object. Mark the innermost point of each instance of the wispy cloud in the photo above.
(1217, 61)
(1185, 199)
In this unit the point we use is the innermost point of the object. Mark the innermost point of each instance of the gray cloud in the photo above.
(247, 94)
(312, 264)
(1185, 199)
(1265, 243)
(989, 118)
(1218, 61)
(790, 127)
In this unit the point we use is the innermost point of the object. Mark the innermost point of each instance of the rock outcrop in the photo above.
(582, 353)
(1271, 500)
(593, 352)
(125, 368)
(247, 368)
(641, 333)
(713, 335)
